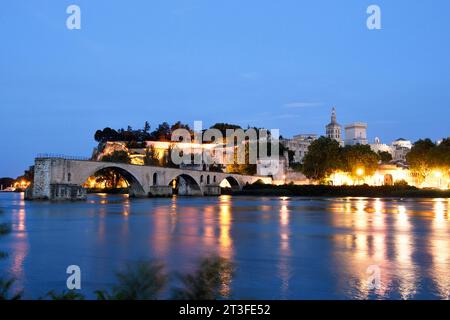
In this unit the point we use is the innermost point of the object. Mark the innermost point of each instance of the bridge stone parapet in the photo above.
(59, 178)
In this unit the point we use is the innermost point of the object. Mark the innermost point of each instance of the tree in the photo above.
(440, 155)
(359, 157)
(222, 127)
(167, 158)
(246, 168)
(146, 127)
(216, 167)
(6, 182)
(98, 136)
(110, 177)
(179, 125)
(384, 156)
(322, 159)
(162, 133)
(419, 158)
(151, 157)
(119, 156)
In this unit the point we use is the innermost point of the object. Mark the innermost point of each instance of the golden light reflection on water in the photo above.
(160, 238)
(225, 240)
(408, 239)
(366, 244)
(404, 244)
(209, 226)
(439, 212)
(20, 248)
(440, 248)
(382, 233)
(284, 268)
(126, 208)
(173, 214)
(19, 216)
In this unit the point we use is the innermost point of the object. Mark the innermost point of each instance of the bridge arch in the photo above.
(230, 182)
(135, 187)
(184, 185)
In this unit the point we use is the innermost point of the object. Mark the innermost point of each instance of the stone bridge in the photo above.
(59, 178)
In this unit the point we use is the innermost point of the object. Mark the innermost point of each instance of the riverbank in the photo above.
(341, 191)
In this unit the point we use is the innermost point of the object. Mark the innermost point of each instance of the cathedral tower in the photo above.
(334, 129)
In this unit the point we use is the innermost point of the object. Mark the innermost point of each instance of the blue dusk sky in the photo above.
(274, 64)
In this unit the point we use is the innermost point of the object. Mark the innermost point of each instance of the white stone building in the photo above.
(377, 146)
(275, 168)
(299, 144)
(356, 133)
(400, 149)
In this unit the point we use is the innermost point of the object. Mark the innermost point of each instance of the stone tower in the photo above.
(334, 129)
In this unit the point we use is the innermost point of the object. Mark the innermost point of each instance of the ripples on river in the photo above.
(284, 248)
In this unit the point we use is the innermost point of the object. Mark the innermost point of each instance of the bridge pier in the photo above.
(160, 191)
(211, 190)
(60, 191)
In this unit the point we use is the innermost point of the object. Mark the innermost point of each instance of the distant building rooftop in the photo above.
(356, 124)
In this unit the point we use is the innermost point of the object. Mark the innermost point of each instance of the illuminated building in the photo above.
(299, 145)
(400, 149)
(377, 146)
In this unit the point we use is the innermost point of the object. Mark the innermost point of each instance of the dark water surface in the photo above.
(283, 248)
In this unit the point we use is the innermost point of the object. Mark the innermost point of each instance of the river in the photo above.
(283, 248)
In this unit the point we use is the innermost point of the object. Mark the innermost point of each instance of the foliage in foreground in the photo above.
(147, 281)
(140, 281)
(6, 284)
(206, 282)
(5, 290)
(65, 295)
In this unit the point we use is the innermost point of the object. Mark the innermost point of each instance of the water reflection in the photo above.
(282, 247)
(404, 244)
(372, 227)
(20, 248)
(173, 214)
(225, 240)
(440, 249)
(284, 269)
(160, 237)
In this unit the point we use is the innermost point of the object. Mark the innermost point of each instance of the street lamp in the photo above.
(359, 173)
(438, 174)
